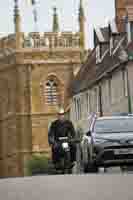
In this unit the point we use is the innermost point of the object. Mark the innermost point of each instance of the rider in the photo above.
(61, 128)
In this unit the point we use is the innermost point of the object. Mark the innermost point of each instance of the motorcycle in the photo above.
(65, 160)
(64, 164)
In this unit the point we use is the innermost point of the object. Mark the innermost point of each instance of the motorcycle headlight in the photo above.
(65, 145)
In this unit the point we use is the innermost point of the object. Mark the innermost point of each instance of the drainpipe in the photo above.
(100, 101)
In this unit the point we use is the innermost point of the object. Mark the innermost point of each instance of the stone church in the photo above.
(36, 70)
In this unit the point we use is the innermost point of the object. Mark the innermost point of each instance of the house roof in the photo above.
(90, 73)
(105, 33)
(99, 35)
(79, 82)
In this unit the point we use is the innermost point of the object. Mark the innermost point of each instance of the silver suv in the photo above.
(109, 142)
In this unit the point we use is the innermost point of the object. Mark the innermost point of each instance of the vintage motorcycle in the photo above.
(65, 164)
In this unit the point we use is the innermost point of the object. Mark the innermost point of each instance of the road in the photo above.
(112, 185)
(68, 187)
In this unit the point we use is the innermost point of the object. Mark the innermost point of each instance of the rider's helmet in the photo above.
(61, 111)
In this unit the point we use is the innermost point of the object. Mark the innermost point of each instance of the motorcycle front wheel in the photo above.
(67, 163)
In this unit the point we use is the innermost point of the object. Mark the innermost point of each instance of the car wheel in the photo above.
(85, 154)
(91, 168)
(123, 168)
(87, 166)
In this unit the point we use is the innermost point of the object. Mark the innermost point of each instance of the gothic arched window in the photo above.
(51, 92)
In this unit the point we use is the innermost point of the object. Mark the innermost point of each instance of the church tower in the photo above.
(35, 80)
(82, 25)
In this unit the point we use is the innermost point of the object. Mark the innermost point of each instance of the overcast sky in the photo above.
(97, 14)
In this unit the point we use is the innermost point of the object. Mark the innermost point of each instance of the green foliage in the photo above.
(38, 164)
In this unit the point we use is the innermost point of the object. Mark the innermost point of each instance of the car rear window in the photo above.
(114, 125)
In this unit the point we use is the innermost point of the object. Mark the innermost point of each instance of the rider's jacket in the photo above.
(60, 128)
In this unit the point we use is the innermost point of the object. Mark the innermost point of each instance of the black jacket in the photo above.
(60, 129)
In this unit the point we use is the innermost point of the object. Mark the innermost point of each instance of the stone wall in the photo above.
(15, 129)
(25, 114)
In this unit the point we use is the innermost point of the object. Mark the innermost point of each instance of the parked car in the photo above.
(108, 142)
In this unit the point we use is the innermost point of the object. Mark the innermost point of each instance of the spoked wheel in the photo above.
(67, 163)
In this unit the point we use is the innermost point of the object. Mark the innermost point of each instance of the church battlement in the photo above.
(43, 40)
(51, 40)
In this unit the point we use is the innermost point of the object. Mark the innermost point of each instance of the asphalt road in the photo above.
(72, 187)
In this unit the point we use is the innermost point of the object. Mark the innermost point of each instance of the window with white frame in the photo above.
(75, 109)
(87, 102)
(111, 45)
(98, 58)
(130, 31)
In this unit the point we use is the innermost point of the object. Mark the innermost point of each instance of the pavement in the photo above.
(68, 187)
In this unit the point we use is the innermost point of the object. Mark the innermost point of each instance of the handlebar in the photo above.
(63, 138)
(71, 140)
